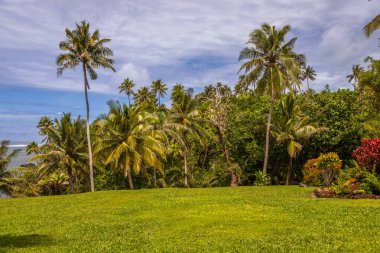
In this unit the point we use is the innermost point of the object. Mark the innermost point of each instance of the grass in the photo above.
(243, 219)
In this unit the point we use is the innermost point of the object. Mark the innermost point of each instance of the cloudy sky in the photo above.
(193, 42)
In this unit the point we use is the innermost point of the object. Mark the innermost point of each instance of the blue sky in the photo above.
(194, 42)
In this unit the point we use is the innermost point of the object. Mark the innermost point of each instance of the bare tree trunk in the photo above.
(234, 179)
(267, 136)
(186, 169)
(130, 179)
(86, 86)
(289, 175)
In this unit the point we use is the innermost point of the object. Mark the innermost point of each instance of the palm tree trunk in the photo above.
(307, 81)
(268, 131)
(71, 180)
(204, 157)
(130, 179)
(129, 102)
(154, 177)
(88, 129)
(186, 169)
(289, 175)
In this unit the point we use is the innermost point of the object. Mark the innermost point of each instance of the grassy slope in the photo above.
(244, 219)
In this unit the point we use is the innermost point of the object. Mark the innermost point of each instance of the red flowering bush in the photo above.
(368, 154)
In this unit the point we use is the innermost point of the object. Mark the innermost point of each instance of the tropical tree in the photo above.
(54, 184)
(63, 149)
(185, 114)
(241, 88)
(293, 128)
(372, 26)
(128, 139)
(127, 87)
(144, 97)
(218, 117)
(7, 182)
(354, 76)
(44, 125)
(86, 49)
(172, 133)
(273, 65)
(308, 74)
(159, 89)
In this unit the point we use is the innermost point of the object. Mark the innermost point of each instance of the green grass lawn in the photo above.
(243, 219)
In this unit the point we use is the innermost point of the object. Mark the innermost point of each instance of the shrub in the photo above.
(370, 184)
(322, 170)
(54, 184)
(312, 175)
(330, 165)
(355, 180)
(368, 154)
(262, 179)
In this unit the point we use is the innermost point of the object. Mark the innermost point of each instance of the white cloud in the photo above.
(139, 75)
(149, 35)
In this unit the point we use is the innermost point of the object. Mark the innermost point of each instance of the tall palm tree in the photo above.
(354, 76)
(129, 140)
(293, 128)
(127, 87)
(159, 89)
(372, 26)
(144, 97)
(63, 149)
(272, 64)
(185, 114)
(86, 49)
(309, 74)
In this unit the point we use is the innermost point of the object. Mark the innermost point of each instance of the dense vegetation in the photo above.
(262, 130)
(234, 219)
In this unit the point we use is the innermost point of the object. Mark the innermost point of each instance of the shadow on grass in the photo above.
(10, 241)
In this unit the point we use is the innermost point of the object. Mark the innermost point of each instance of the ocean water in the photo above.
(22, 157)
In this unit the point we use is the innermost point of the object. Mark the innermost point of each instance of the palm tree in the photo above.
(54, 184)
(127, 87)
(184, 114)
(172, 132)
(7, 183)
(241, 88)
(63, 149)
(44, 124)
(309, 74)
(129, 140)
(159, 89)
(372, 26)
(354, 76)
(272, 64)
(86, 49)
(144, 96)
(293, 129)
